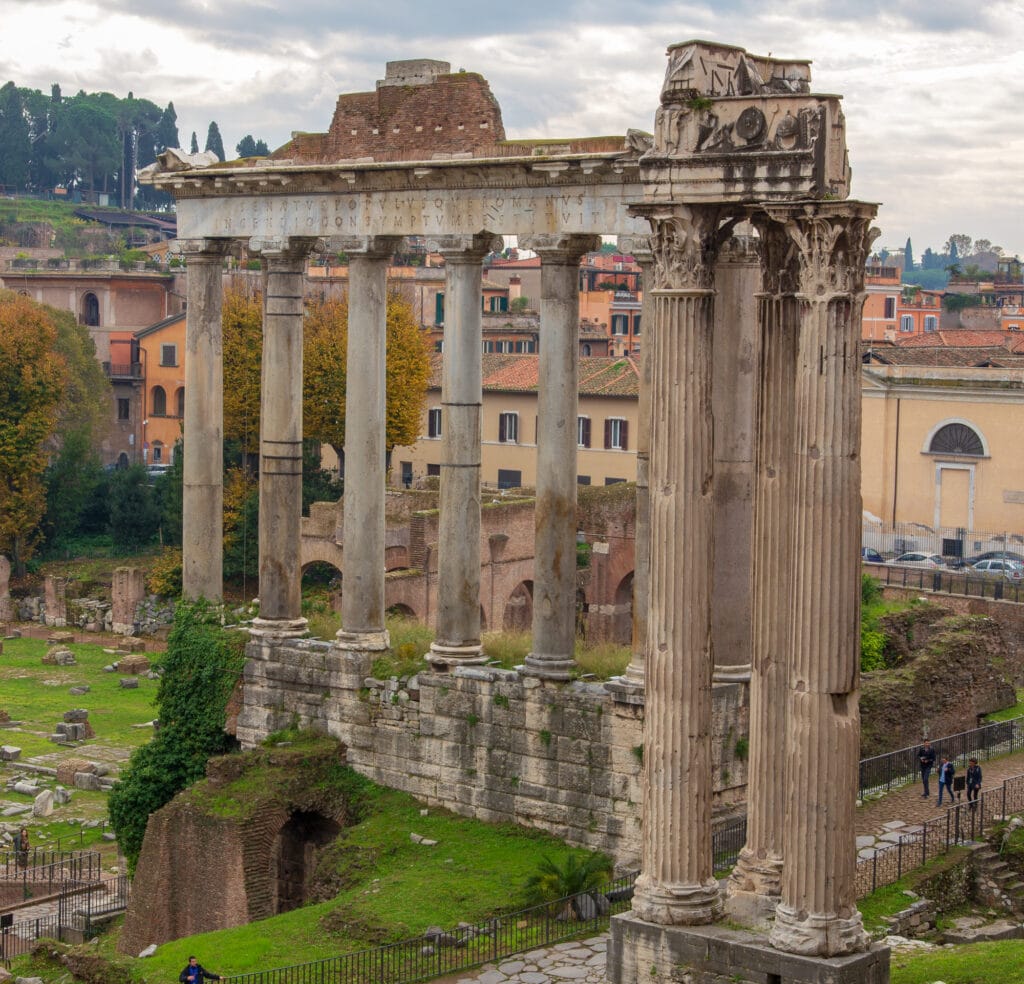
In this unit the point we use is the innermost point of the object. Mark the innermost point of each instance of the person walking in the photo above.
(973, 782)
(926, 756)
(21, 848)
(946, 772)
(195, 972)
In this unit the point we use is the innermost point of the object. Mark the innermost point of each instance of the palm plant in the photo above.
(580, 873)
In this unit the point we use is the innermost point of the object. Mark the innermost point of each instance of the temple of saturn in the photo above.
(740, 145)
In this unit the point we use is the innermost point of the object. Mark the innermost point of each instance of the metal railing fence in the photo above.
(44, 865)
(940, 580)
(883, 772)
(961, 823)
(955, 543)
(77, 907)
(436, 954)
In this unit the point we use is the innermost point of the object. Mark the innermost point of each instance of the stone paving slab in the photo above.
(576, 962)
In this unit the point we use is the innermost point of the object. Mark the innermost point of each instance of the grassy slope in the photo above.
(979, 963)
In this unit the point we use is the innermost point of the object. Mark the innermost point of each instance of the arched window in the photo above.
(957, 438)
(158, 452)
(91, 310)
(159, 402)
(179, 399)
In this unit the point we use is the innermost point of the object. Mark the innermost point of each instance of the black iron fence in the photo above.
(438, 953)
(940, 580)
(883, 772)
(38, 864)
(75, 911)
(956, 544)
(961, 823)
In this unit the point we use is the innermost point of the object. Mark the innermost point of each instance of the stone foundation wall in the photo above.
(484, 742)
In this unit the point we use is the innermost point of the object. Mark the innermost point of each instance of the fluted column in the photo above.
(281, 438)
(676, 885)
(629, 688)
(457, 633)
(202, 549)
(554, 579)
(756, 882)
(362, 586)
(817, 914)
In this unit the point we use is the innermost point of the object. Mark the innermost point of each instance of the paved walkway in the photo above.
(907, 804)
(582, 961)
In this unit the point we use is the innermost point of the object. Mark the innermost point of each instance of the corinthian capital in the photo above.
(684, 245)
(832, 241)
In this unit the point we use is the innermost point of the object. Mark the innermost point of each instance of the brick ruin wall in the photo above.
(483, 742)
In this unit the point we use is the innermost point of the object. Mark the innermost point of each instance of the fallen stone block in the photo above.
(26, 788)
(78, 691)
(60, 637)
(77, 715)
(133, 664)
(16, 810)
(87, 781)
(67, 770)
(148, 951)
(43, 805)
(61, 796)
(9, 753)
(129, 683)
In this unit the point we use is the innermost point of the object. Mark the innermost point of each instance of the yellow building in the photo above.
(162, 358)
(605, 428)
(942, 438)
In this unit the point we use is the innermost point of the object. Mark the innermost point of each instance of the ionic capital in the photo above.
(370, 247)
(560, 247)
(639, 247)
(200, 248)
(465, 248)
(831, 240)
(285, 251)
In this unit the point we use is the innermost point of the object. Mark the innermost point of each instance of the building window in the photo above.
(439, 309)
(1014, 327)
(957, 439)
(931, 323)
(636, 324)
(527, 346)
(433, 471)
(616, 434)
(158, 401)
(585, 349)
(91, 310)
(906, 322)
(582, 479)
(509, 478)
(508, 428)
(890, 307)
(613, 481)
(406, 473)
(124, 408)
(434, 422)
(488, 346)
(620, 324)
(583, 432)
(158, 452)
(168, 355)
(439, 345)
(179, 399)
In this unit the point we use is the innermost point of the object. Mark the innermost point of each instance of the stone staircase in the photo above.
(996, 882)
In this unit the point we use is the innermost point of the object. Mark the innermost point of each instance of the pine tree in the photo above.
(908, 256)
(214, 142)
(195, 144)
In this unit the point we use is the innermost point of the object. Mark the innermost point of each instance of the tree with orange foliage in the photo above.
(32, 380)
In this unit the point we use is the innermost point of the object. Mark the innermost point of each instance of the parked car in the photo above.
(917, 559)
(871, 556)
(1012, 570)
(991, 555)
(155, 470)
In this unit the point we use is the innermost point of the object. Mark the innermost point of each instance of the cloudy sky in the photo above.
(933, 89)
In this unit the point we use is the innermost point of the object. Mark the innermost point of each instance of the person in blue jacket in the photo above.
(946, 772)
(973, 782)
(194, 973)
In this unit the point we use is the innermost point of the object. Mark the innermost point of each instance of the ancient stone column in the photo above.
(756, 882)
(362, 599)
(127, 590)
(817, 914)
(554, 579)
(629, 688)
(203, 468)
(6, 602)
(457, 633)
(281, 438)
(676, 885)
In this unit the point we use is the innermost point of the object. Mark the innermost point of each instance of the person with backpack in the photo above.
(973, 782)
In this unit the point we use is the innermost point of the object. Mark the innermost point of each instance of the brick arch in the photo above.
(402, 610)
(325, 551)
(518, 612)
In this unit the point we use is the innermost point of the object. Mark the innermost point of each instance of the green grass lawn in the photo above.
(978, 963)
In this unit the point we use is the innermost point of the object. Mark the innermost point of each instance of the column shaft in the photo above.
(203, 468)
(554, 579)
(281, 446)
(817, 913)
(677, 885)
(457, 638)
(362, 604)
(757, 879)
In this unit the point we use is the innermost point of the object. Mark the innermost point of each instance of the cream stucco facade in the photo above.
(905, 475)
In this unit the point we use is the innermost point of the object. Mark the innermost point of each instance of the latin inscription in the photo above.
(383, 213)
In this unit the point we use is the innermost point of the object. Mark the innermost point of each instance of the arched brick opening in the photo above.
(622, 622)
(396, 559)
(401, 611)
(518, 615)
(294, 855)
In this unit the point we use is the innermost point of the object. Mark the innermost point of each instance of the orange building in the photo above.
(161, 350)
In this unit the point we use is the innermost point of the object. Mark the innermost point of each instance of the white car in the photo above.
(917, 559)
(1012, 570)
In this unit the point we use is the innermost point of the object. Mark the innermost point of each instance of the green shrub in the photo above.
(165, 574)
(870, 590)
(202, 665)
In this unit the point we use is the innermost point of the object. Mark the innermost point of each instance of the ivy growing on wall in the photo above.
(202, 665)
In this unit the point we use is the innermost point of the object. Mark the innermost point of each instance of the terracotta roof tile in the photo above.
(599, 375)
